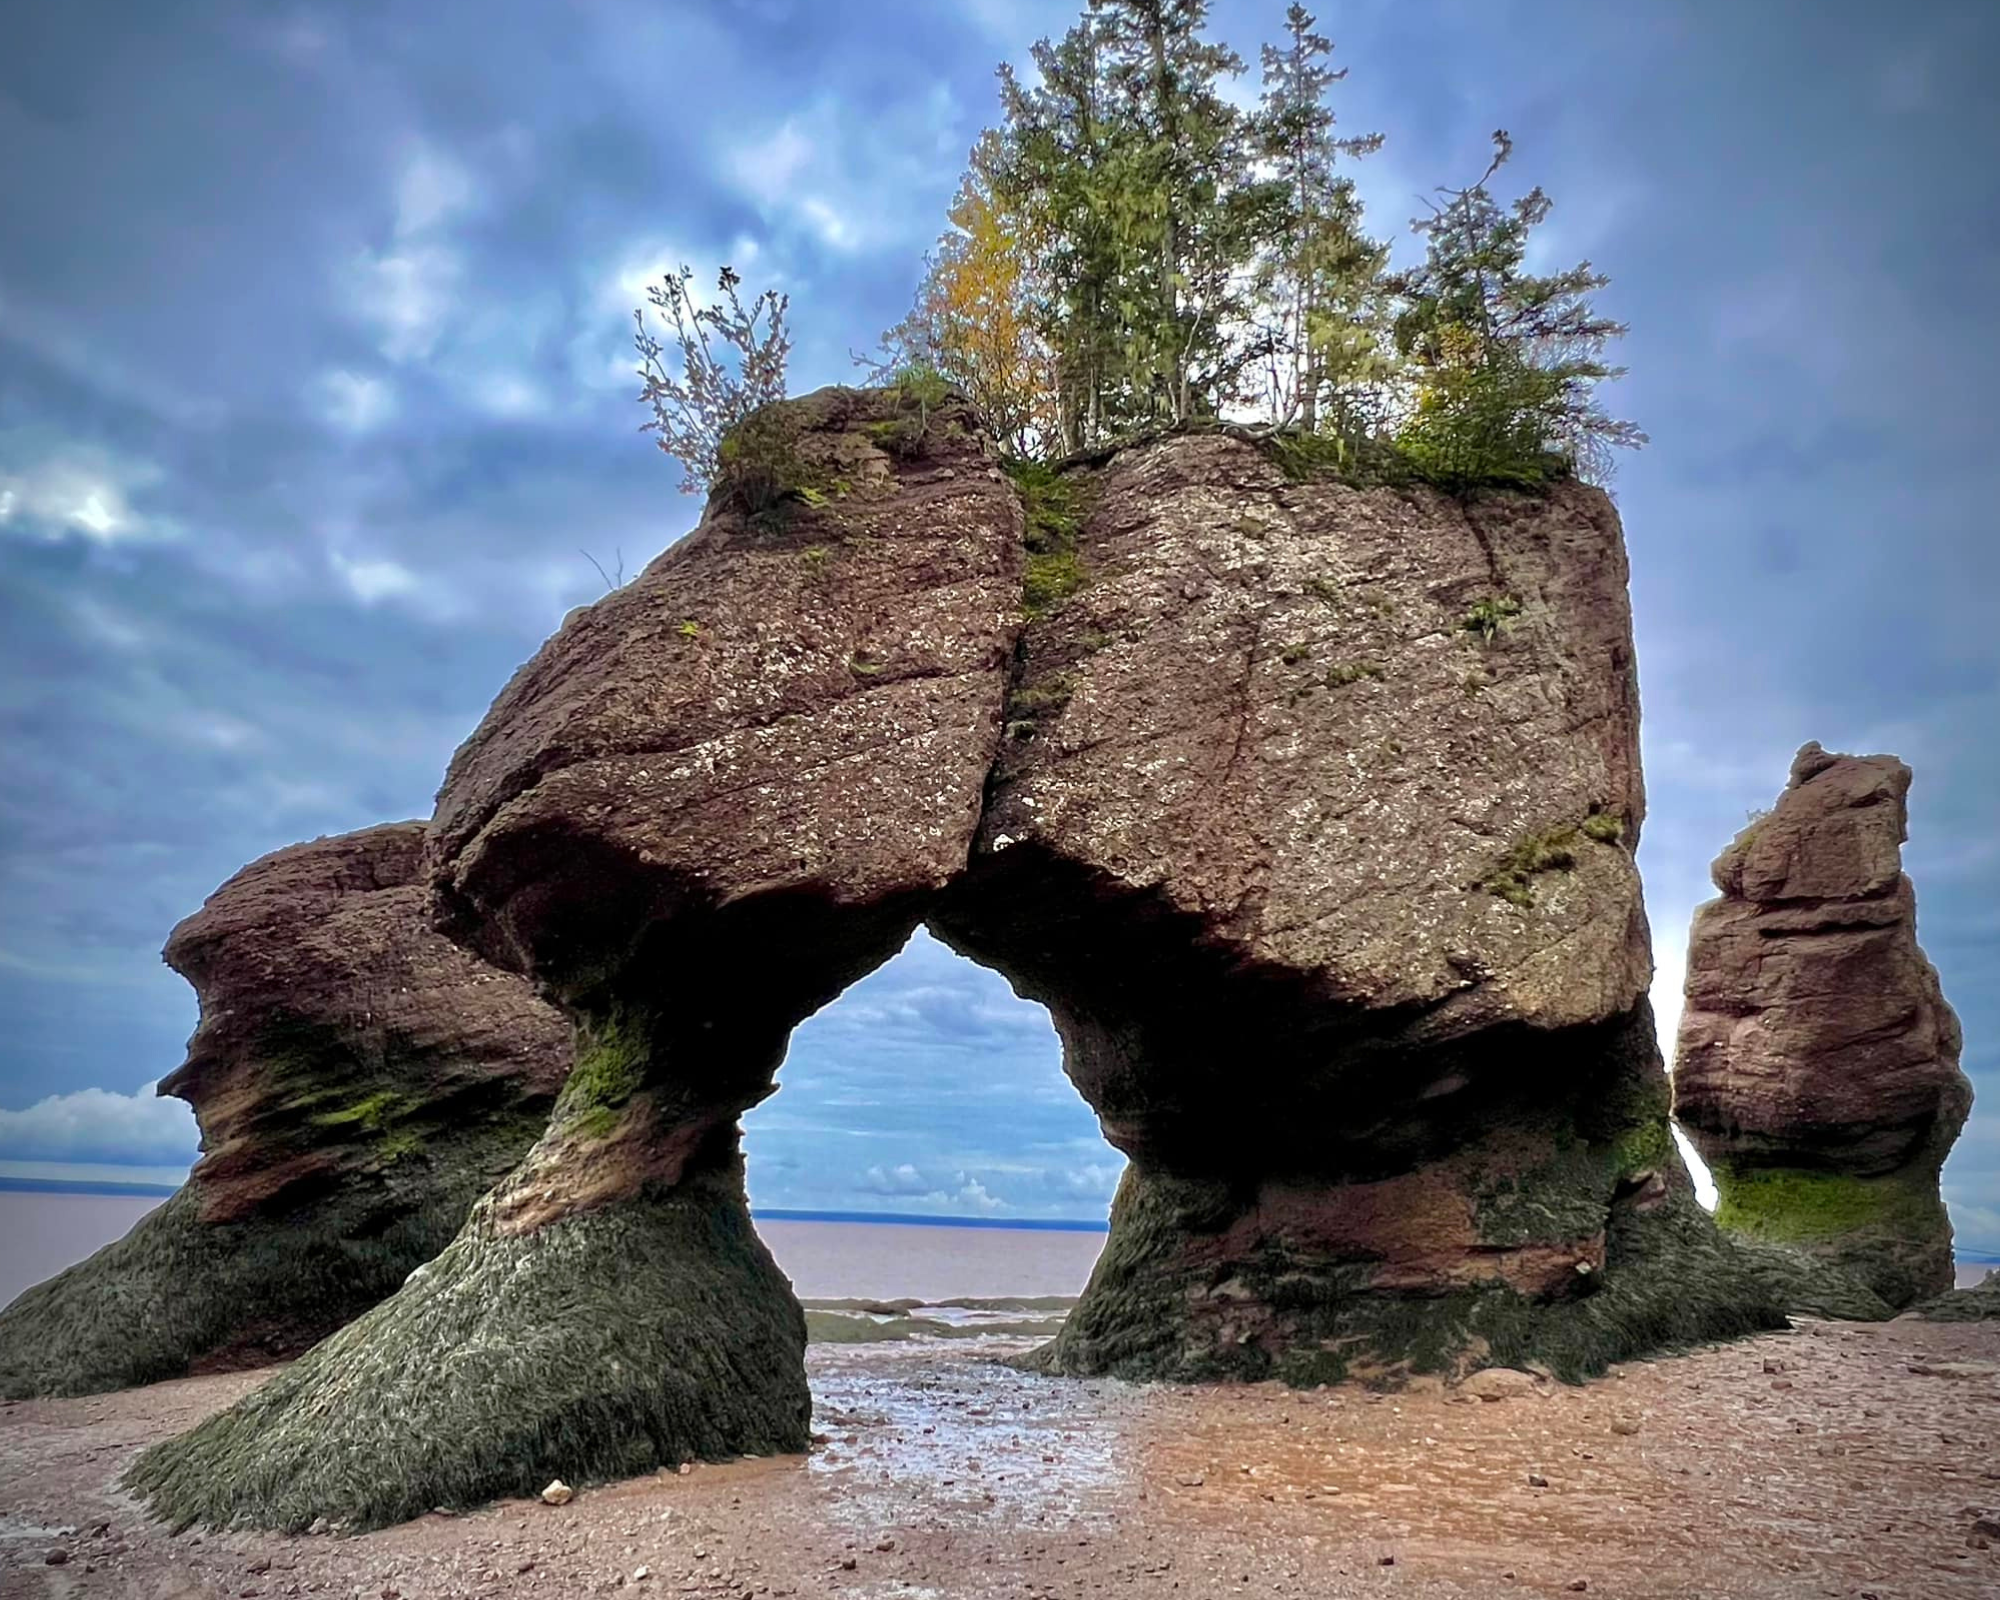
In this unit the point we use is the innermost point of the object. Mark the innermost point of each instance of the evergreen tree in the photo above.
(1508, 361)
(1181, 191)
(1053, 171)
(1318, 284)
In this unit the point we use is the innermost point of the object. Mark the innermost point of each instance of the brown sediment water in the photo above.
(1839, 1460)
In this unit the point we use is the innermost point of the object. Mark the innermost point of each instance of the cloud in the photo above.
(98, 1125)
(407, 288)
(826, 169)
(84, 493)
(373, 581)
(354, 402)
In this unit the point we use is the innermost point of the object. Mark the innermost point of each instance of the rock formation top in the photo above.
(1817, 1065)
(336, 1028)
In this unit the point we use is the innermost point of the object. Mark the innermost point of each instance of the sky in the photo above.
(315, 390)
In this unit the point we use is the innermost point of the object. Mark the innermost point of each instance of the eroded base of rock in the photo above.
(1889, 1233)
(178, 1295)
(1163, 1306)
(617, 1340)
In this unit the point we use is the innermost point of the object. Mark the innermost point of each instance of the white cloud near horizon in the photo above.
(141, 1129)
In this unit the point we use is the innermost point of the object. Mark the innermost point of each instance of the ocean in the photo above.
(829, 1259)
(841, 1258)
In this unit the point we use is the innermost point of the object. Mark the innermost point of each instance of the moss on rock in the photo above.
(1861, 1225)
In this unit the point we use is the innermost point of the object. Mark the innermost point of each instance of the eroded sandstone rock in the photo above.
(711, 802)
(1817, 1066)
(1307, 810)
(359, 1081)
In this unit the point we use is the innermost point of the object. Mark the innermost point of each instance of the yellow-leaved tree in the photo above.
(974, 319)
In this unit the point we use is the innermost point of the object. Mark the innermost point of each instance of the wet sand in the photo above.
(1839, 1460)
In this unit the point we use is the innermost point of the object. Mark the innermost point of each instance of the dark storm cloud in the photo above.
(313, 382)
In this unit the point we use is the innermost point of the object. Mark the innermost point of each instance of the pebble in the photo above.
(557, 1493)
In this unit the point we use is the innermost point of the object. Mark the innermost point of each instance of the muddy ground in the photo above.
(1838, 1461)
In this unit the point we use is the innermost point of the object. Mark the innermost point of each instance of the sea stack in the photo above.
(359, 1081)
(1817, 1065)
(1306, 808)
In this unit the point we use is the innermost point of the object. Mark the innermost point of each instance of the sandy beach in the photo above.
(1840, 1460)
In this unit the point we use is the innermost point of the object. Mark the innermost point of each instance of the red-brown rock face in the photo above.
(1817, 1066)
(359, 1081)
(1307, 810)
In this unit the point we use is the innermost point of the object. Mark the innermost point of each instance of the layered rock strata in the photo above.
(1307, 810)
(359, 1081)
(1817, 1064)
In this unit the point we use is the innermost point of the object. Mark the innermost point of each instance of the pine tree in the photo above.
(1508, 361)
(1053, 170)
(1182, 189)
(1318, 281)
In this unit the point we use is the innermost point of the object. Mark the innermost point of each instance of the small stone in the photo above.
(1988, 1526)
(1191, 1480)
(1772, 1364)
(320, 1525)
(885, 1544)
(641, 1574)
(1537, 1481)
(557, 1493)
(1385, 1561)
(56, 1558)
(1578, 1585)
(686, 1467)
(847, 1563)
(1625, 1426)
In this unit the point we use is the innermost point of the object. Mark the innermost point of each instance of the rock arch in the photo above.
(1307, 810)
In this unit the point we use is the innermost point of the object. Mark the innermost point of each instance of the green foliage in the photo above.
(732, 361)
(1553, 850)
(816, 559)
(1052, 507)
(1506, 361)
(1604, 827)
(1130, 250)
(1294, 653)
(861, 666)
(1048, 580)
(1487, 619)
(689, 628)
(1343, 673)
(758, 466)
(1038, 700)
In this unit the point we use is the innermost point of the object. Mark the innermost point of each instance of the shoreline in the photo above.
(1833, 1459)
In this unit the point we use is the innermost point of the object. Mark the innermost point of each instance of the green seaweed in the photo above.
(607, 1344)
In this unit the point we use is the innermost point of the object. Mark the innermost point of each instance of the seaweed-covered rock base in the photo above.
(613, 1341)
(1566, 1238)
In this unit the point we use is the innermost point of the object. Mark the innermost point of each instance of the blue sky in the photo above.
(315, 380)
